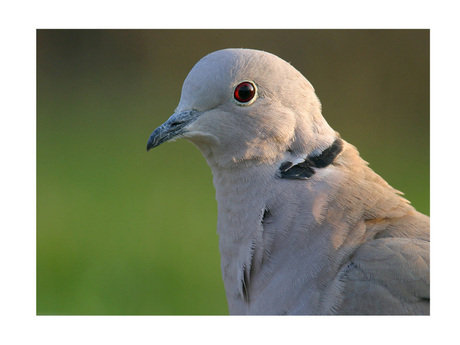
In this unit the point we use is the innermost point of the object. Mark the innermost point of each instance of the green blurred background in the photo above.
(120, 231)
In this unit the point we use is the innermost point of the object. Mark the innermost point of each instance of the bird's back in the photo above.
(386, 241)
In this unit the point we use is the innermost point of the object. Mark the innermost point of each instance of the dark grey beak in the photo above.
(173, 128)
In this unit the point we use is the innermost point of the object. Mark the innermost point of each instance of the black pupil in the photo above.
(244, 92)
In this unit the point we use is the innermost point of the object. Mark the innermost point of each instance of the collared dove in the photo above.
(305, 226)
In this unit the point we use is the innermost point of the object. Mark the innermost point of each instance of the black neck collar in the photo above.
(304, 170)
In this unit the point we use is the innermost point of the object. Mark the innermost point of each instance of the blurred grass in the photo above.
(120, 231)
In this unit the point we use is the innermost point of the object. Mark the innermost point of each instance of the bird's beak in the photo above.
(175, 127)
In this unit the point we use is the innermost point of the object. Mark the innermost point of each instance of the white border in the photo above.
(19, 21)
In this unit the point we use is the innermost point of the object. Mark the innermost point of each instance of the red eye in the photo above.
(244, 92)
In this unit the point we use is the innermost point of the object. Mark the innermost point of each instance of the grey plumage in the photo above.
(305, 226)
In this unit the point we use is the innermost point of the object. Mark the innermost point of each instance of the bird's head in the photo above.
(242, 104)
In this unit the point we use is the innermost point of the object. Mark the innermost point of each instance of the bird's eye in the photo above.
(244, 92)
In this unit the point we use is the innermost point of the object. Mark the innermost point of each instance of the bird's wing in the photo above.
(387, 276)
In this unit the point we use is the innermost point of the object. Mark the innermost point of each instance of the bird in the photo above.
(305, 226)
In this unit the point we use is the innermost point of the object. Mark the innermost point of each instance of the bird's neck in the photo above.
(256, 230)
(241, 195)
(241, 210)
